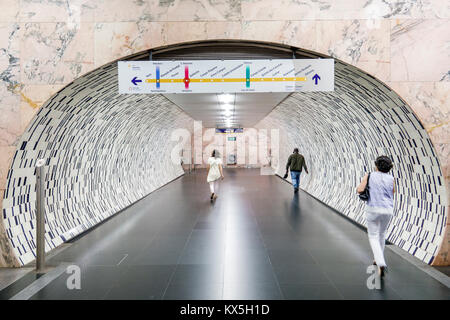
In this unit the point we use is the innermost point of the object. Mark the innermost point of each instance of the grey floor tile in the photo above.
(155, 257)
(211, 291)
(318, 291)
(418, 292)
(286, 257)
(200, 274)
(300, 274)
(237, 273)
(253, 291)
(362, 292)
(255, 238)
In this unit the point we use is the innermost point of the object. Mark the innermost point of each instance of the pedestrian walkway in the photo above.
(256, 241)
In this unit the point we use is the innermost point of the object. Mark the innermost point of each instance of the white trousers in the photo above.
(213, 186)
(377, 224)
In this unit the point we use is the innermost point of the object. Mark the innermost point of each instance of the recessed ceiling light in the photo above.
(225, 98)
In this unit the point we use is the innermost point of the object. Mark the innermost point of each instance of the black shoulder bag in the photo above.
(365, 195)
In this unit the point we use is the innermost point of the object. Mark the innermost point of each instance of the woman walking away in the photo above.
(215, 172)
(379, 209)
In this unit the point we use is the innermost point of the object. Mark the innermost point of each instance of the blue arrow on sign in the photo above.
(135, 81)
(316, 78)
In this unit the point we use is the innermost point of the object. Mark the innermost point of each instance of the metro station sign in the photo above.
(229, 130)
(226, 76)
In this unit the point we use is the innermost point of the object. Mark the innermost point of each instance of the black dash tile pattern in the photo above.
(104, 151)
(341, 133)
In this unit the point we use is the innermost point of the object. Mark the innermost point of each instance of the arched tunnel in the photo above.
(104, 151)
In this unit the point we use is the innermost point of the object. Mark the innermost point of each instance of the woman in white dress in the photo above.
(214, 173)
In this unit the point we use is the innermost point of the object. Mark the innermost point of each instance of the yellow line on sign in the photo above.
(164, 80)
(277, 79)
(227, 80)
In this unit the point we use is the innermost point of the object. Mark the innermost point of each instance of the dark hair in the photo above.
(296, 150)
(214, 153)
(384, 164)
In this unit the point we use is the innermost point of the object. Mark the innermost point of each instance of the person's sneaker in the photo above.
(295, 190)
(215, 196)
(212, 195)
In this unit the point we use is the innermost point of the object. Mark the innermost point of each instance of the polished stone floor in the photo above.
(256, 241)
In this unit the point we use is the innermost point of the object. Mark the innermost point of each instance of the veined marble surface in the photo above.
(420, 50)
(339, 9)
(54, 53)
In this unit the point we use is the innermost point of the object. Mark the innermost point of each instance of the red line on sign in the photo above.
(186, 77)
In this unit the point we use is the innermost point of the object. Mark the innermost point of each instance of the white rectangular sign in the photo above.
(226, 76)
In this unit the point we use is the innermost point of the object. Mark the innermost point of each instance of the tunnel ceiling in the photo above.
(105, 151)
(245, 109)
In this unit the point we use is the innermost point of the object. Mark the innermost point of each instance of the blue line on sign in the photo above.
(158, 84)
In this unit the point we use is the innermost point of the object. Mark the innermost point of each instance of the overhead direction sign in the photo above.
(226, 76)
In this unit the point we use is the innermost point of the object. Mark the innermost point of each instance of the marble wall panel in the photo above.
(379, 9)
(420, 50)
(223, 30)
(203, 10)
(72, 12)
(115, 40)
(9, 63)
(253, 10)
(32, 98)
(341, 10)
(10, 110)
(10, 10)
(54, 53)
(429, 100)
(172, 10)
(357, 42)
(185, 31)
(124, 10)
(297, 33)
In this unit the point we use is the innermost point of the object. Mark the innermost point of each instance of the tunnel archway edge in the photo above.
(9, 248)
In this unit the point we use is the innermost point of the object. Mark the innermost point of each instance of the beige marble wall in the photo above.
(45, 44)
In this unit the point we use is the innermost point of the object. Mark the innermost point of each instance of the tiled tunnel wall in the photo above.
(104, 151)
(342, 132)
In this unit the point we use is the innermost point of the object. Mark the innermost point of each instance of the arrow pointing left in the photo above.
(135, 81)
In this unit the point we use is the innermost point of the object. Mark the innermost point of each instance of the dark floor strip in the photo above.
(19, 285)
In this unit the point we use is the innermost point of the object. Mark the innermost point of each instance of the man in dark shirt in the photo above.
(295, 163)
